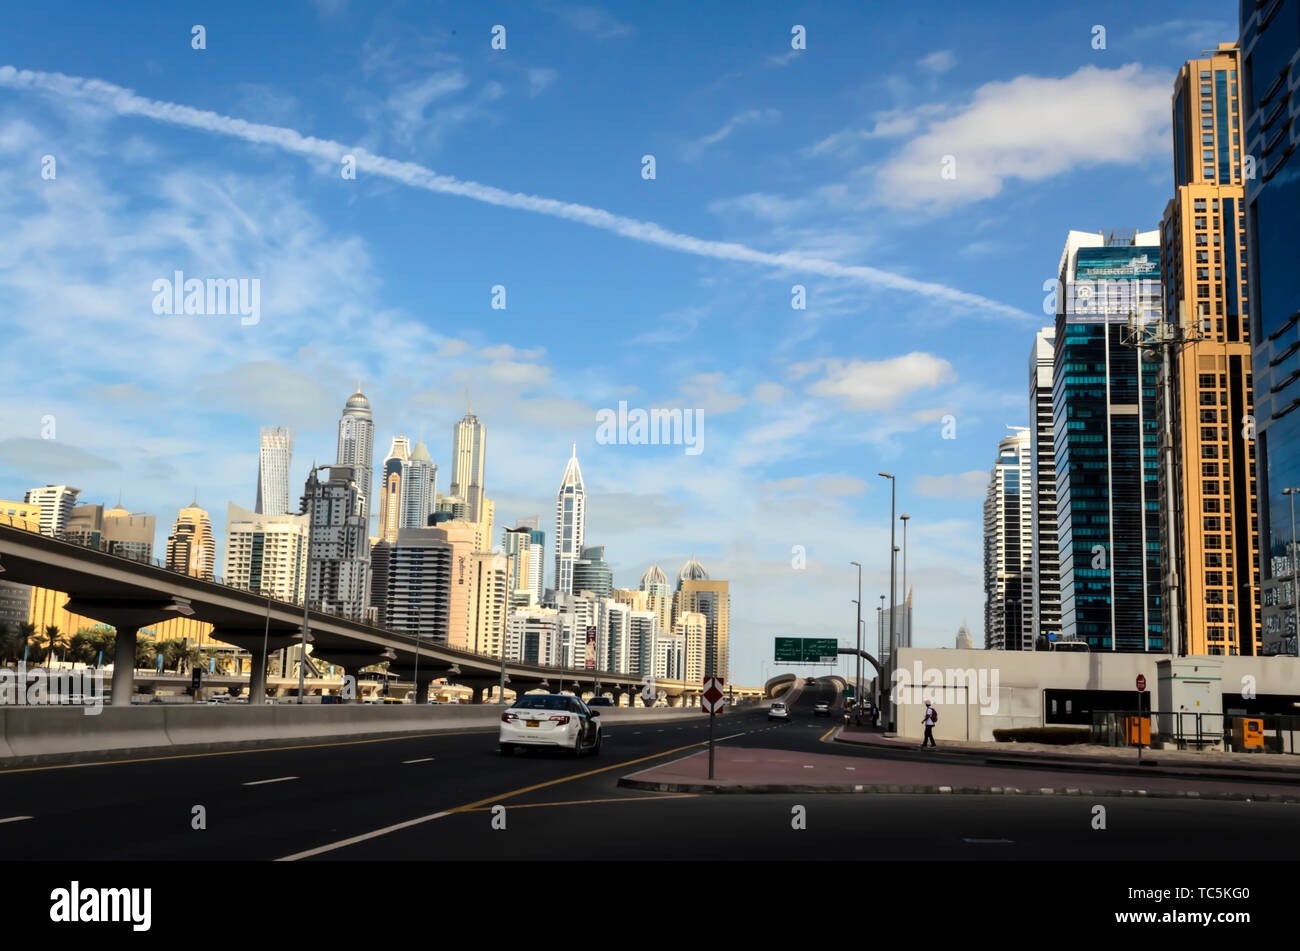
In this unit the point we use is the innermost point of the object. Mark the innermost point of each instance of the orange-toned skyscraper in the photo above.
(1213, 515)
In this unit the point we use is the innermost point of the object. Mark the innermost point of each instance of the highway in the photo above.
(432, 797)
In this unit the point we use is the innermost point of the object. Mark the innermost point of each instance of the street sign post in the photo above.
(711, 700)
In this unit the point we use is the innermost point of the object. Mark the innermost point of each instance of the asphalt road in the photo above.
(452, 796)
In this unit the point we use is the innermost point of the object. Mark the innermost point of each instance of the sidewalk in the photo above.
(745, 770)
(1171, 762)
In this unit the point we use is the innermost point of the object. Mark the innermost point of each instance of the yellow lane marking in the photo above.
(491, 800)
(265, 749)
(586, 802)
(827, 734)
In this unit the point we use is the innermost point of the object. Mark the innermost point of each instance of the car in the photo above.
(822, 710)
(548, 719)
(778, 711)
(600, 702)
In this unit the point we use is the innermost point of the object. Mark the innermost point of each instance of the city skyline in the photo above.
(802, 406)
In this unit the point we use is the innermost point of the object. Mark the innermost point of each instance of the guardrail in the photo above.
(33, 735)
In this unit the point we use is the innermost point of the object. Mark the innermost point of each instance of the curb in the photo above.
(884, 789)
(1270, 774)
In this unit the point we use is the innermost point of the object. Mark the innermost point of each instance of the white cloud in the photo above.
(940, 61)
(748, 117)
(878, 384)
(1031, 128)
(125, 103)
(768, 393)
(964, 485)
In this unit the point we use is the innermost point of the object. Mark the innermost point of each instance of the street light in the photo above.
(1295, 602)
(857, 684)
(907, 618)
(893, 591)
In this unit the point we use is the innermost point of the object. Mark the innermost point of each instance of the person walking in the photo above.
(931, 718)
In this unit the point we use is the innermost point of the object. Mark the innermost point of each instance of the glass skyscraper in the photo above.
(1105, 426)
(1270, 50)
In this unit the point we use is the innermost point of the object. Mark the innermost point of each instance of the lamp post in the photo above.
(907, 616)
(893, 593)
(857, 684)
(1295, 601)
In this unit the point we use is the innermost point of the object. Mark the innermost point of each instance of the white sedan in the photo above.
(546, 719)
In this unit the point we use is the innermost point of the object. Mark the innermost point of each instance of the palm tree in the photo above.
(11, 644)
(53, 638)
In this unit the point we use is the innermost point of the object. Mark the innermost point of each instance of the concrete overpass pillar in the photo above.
(124, 666)
(257, 677)
(422, 689)
(480, 692)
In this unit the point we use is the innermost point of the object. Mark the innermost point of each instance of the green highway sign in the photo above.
(806, 650)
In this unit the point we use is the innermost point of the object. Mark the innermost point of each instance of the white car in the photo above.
(547, 719)
(778, 711)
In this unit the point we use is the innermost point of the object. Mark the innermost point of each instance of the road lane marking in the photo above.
(14, 819)
(587, 802)
(264, 749)
(408, 762)
(491, 800)
(988, 841)
(263, 782)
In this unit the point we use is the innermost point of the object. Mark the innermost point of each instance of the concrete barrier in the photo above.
(46, 735)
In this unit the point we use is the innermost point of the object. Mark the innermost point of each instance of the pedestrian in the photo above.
(931, 718)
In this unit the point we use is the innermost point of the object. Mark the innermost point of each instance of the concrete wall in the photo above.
(31, 735)
(1022, 676)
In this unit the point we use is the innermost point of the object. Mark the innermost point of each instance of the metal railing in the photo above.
(1189, 729)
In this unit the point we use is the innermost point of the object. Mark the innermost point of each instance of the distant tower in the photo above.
(190, 547)
(468, 447)
(273, 471)
(570, 523)
(357, 444)
(964, 642)
(419, 487)
(390, 490)
(56, 502)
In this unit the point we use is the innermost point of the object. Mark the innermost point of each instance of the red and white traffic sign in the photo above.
(712, 697)
(1141, 683)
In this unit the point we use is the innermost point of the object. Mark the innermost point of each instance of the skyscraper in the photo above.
(1105, 427)
(523, 551)
(462, 601)
(592, 573)
(191, 549)
(468, 449)
(273, 462)
(659, 596)
(128, 534)
(1008, 546)
(56, 502)
(1269, 114)
(570, 523)
(411, 587)
(1211, 516)
(357, 446)
(1045, 559)
(338, 558)
(266, 553)
(419, 487)
(698, 594)
(390, 490)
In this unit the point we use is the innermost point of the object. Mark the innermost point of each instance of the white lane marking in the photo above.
(807, 767)
(361, 838)
(262, 782)
(408, 762)
(988, 841)
(14, 819)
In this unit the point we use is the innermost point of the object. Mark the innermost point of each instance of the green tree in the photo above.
(146, 652)
(54, 638)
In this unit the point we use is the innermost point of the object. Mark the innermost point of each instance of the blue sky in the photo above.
(923, 292)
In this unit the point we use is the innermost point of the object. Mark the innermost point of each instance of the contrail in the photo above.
(124, 102)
